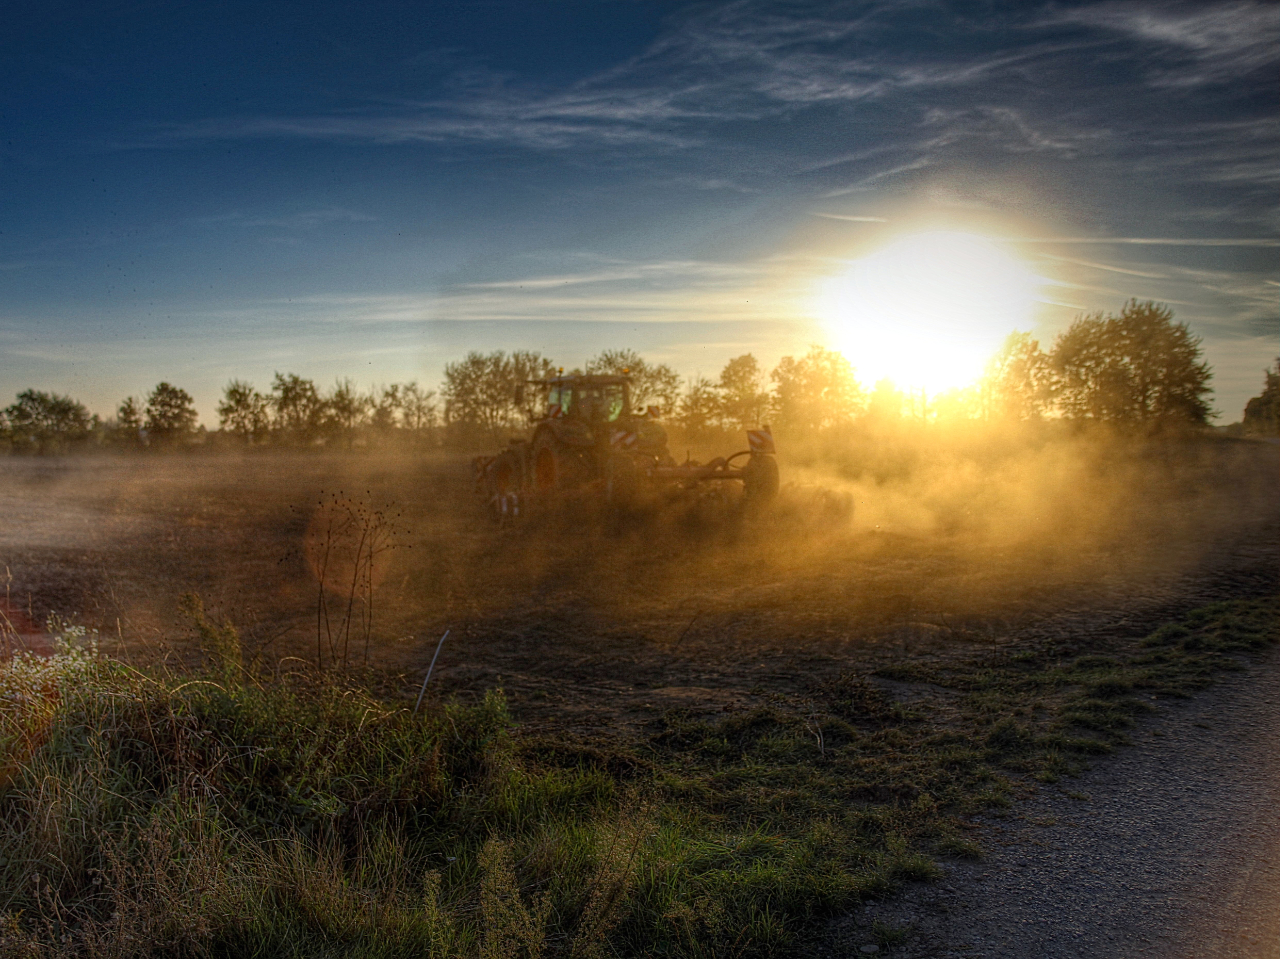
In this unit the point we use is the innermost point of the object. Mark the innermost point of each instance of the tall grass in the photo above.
(218, 814)
(148, 813)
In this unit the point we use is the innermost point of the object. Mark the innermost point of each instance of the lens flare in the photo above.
(928, 310)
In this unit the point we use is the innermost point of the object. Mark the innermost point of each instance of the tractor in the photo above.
(588, 439)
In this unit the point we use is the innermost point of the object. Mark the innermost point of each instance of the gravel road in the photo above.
(1169, 849)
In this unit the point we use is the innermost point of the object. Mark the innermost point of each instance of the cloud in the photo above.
(301, 220)
(859, 96)
(535, 283)
(1011, 129)
(494, 122)
(1222, 41)
(1157, 241)
(854, 219)
(1109, 268)
(734, 63)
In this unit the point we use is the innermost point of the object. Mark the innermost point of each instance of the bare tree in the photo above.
(418, 408)
(385, 405)
(344, 411)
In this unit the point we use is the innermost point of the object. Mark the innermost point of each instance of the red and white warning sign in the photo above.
(555, 411)
(760, 441)
(623, 438)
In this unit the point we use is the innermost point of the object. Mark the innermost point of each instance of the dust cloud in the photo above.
(871, 529)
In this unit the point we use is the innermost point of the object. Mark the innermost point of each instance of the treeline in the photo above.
(50, 423)
(1139, 368)
(293, 412)
(296, 412)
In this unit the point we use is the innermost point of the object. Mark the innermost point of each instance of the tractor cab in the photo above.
(593, 399)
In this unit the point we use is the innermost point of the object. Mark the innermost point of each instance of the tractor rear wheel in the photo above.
(555, 466)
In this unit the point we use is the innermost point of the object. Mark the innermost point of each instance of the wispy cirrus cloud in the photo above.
(1105, 267)
(1261, 242)
(851, 218)
(665, 271)
(858, 97)
(1217, 42)
(300, 220)
(736, 63)
(493, 122)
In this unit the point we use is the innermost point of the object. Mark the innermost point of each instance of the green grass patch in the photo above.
(213, 814)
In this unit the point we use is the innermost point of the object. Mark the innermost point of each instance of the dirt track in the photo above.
(1170, 849)
(595, 634)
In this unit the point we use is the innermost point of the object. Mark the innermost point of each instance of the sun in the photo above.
(928, 310)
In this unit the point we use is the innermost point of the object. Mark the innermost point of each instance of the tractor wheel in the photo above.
(555, 467)
(621, 480)
(760, 478)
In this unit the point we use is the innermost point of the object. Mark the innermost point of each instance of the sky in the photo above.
(200, 192)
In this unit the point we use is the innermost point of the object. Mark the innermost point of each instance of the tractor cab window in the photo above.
(561, 396)
(606, 402)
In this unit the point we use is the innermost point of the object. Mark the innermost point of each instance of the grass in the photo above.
(221, 814)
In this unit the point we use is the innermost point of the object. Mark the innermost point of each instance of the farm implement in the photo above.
(588, 440)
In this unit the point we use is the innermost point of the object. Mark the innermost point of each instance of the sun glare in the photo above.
(928, 310)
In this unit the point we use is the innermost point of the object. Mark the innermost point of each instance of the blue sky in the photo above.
(195, 193)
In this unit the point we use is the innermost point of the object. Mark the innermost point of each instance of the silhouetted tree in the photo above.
(385, 405)
(744, 402)
(1019, 382)
(170, 414)
(1262, 413)
(652, 384)
(957, 404)
(480, 390)
(343, 411)
(418, 409)
(698, 408)
(1138, 367)
(129, 420)
(244, 411)
(816, 391)
(526, 365)
(45, 422)
(129, 414)
(885, 402)
(298, 409)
